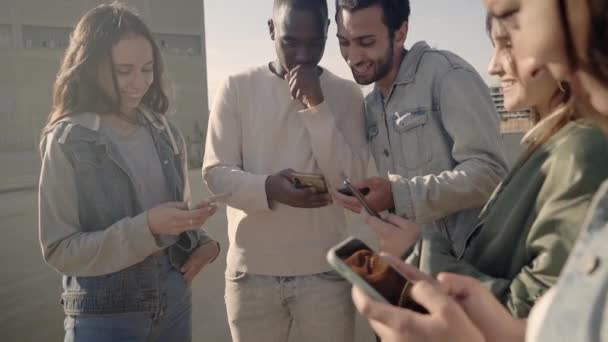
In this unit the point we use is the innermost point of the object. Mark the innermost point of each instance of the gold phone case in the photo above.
(314, 180)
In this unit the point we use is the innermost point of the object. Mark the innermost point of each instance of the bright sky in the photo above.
(237, 35)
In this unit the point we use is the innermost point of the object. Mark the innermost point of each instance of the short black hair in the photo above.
(318, 6)
(394, 12)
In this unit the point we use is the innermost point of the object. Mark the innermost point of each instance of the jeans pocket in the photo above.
(234, 275)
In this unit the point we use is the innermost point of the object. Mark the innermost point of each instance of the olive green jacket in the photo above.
(532, 220)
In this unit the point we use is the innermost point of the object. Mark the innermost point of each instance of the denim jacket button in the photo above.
(165, 162)
(589, 264)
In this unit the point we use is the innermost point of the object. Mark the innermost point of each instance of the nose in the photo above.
(139, 81)
(303, 55)
(352, 54)
(494, 68)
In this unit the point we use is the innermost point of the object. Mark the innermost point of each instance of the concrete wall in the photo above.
(27, 73)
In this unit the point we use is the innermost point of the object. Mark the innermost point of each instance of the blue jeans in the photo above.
(172, 322)
(306, 308)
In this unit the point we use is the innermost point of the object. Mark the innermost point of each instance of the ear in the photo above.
(401, 34)
(271, 28)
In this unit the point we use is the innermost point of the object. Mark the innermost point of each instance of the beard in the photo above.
(382, 67)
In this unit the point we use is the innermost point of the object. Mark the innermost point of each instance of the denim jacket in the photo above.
(579, 308)
(92, 227)
(436, 136)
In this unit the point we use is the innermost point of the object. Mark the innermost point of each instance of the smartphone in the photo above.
(211, 200)
(360, 197)
(361, 266)
(346, 191)
(314, 180)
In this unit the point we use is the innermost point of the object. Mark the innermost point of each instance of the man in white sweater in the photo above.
(284, 116)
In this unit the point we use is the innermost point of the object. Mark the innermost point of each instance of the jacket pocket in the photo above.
(411, 127)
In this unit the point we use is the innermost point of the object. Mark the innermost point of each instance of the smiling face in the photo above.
(559, 42)
(534, 90)
(133, 68)
(367, 46)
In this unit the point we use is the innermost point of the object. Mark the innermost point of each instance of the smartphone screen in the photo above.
(381, 276)
(359, 196)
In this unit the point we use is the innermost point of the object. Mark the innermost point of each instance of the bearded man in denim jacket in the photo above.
(431, 124)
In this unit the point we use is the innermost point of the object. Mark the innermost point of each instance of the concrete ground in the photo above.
(29, 289)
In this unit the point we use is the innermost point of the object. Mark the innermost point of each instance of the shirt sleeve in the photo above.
(223, 163)
(65, 246)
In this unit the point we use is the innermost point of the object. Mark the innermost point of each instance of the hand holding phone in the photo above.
(360, 265)
(312, 180)
(173, 218)
(346, 191)
(213, 200)
(360, 197)
(298, 190)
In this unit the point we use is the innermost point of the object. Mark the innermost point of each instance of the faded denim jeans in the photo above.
(171, 323)
(271, 309)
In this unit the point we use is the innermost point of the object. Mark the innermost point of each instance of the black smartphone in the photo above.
(360, 197)
(361, 266)
(346, 191)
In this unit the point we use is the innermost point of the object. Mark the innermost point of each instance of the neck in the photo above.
(128, 116)
(386, 83)
(546, 109)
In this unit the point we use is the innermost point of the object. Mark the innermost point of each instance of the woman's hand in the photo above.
(446, 320)
(458, 305)
(483, 309)
(395, 234)
(199, 258)
(173, 218)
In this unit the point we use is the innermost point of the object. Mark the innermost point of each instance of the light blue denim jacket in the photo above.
(579, 310)
(93, 230)
(436, 136)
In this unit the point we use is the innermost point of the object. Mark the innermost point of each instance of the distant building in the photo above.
(499, 101)
(34, 35)
(513, 125)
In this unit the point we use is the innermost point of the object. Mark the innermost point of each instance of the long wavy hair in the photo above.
(76, 87)
(597, 50)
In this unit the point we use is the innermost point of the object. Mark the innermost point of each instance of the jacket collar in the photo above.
(407, 68)
(92, 121)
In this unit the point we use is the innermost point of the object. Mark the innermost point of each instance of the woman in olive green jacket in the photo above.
(533, 219)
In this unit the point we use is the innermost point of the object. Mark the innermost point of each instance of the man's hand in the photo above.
(304, 85)
(379, 198)
(199, 258)
(280, 188)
